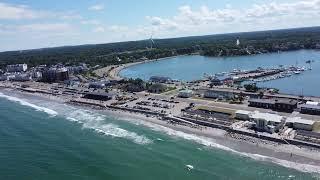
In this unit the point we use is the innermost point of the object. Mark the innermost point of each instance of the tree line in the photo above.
(132, 51)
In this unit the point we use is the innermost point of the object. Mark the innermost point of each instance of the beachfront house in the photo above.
(299, 123)
(262, 103)
(185, 93)
(218, 94)
(98, 96)
(267, 122)
(17, 68)
(285, 105)
(310, 109)
(243, 115)
(282, 105)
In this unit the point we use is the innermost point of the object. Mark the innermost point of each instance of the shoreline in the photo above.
(219, 137)
(115, 72)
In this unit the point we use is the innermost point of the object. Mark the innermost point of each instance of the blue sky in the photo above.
(28, 24)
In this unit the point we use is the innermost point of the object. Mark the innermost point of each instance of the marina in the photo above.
(297, 79)
(262, 75)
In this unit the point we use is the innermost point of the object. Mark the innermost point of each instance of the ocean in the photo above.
(42, 139)
(196, 66)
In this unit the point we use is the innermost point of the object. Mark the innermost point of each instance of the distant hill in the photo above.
(211, 45)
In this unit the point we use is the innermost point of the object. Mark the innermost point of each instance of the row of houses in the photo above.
(277, 104)
(226, 94)
(57, 73)
(273, 122)
(286, 105)
(17, 68)
(98, 96)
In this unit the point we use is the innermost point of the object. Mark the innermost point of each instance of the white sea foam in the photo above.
(96, 122)
(211, 143)
(25, 103)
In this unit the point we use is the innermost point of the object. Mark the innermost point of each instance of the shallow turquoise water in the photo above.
(193, 67)
(48, 140)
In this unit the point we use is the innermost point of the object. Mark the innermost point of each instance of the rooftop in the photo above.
(267, 116)
(243, 112)
(313, 103)
(309, 106)
(269, 101)
(299, 120)
(216, 109)
(99, 94)
(286, 101)
(186, 91)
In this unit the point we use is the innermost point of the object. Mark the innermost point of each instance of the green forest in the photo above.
(211, 45)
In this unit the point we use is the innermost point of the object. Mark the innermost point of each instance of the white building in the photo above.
(17, 68)
(272, 122)
(267, 122)
(218, 94)
(299, 123)
(243, 115)
(7, 77)
(36, 75)
(313, 103)
(21, 77)
(185, 93)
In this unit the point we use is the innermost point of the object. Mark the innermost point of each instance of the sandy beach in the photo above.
(209, 137)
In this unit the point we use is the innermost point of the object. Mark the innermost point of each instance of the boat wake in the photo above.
(97, 122)
(25, 103)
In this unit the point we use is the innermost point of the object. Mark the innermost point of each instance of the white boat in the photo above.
(189, 167)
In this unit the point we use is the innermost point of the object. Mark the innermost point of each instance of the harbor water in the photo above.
(40, 139)
(188, 68)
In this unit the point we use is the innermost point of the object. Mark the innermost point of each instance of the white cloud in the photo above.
(22, 12)
(13, 12)
(37, 29)
(231, 19)
(54, 27)
(71, 16)
(99, 29)
(58, 28)
(96, 7)
(90, 22)
(116, 28)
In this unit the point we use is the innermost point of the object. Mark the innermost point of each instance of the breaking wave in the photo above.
(210, 143)
(97, 123)
(25, 103)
